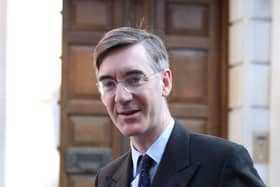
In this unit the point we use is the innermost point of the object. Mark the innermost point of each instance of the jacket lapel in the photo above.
(175, 168)
(122, 175)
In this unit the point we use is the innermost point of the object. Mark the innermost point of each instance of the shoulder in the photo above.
(203, 142)
(231, 159)
(217, 148)
(198, 145)
(212, 142)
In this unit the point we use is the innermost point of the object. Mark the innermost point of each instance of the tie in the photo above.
(144, 167)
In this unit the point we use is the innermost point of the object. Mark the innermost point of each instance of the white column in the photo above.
(274, 170)
(249, 72)
(3, 18)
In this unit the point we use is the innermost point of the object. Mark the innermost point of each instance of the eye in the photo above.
(134, 80)
(108, 84)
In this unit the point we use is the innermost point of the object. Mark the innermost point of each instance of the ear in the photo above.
(166, 82)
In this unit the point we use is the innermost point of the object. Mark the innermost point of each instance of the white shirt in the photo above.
(155, 151)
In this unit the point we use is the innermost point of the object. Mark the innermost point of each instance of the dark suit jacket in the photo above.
(190, 160)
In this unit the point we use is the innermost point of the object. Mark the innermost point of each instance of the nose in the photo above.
(122, 94)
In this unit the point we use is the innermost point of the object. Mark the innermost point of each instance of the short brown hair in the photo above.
(125, 36)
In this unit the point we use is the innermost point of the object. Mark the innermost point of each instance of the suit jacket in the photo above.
(190, 160)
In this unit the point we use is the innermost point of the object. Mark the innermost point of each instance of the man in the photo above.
(134, 81)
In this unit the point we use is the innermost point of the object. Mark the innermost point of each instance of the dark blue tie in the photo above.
(144, 167)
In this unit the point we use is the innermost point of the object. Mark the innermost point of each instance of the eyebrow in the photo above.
(135, 71)
(103, 77)
(131, 72)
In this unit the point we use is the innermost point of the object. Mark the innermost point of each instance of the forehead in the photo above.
(125, 59)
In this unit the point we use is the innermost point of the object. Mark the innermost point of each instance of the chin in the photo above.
(131, 130)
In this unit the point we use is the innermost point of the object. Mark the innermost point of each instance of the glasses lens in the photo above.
(133, 81)
(107, 85)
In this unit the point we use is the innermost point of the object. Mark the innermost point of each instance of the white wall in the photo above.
(33, 80)
(2, 87)
(275, 98)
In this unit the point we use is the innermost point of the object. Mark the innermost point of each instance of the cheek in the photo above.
(156, 99)
(108, 104)
(152, 98)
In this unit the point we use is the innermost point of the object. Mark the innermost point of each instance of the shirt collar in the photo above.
(156, 150)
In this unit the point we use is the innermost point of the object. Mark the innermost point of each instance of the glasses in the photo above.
(130, 83)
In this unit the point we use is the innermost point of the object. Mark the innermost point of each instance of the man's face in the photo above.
(139, 110)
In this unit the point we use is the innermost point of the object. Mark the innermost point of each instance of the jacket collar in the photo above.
(176, 163)
(175, 169)
(122, 176)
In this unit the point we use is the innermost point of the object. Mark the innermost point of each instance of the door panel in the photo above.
(180, 13)
(93, 130)
(93, 15)
(81, 76)
(190, 30)
(81, 181)
(191, 66)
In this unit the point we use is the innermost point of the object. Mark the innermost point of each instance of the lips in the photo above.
(128, 109)
(128, 112)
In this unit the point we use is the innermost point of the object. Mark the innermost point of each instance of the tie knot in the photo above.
(145, 163)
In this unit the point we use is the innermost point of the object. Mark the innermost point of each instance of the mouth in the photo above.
(128, 112)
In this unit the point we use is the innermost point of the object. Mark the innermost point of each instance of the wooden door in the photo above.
(190, 29)
(190, 32)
